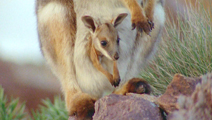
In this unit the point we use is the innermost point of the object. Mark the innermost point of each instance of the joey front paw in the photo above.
(137, 85)
(116, 82)
(83, 107)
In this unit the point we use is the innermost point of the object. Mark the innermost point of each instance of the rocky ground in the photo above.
(185, 98)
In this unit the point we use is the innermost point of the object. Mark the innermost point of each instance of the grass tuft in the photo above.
(186, 48)
(10, 110)
(51, 111)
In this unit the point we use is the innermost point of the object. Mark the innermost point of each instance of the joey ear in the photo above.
(89, 22)
(119, 19)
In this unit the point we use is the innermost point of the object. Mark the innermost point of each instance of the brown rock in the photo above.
(145, 96)
(180, 85)
(72, 118)
(198, 106)
(130, 107)
(185, 98)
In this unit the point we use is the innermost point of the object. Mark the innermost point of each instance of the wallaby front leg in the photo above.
(149, 10)
(98, 66)
(116, 76)
(138, 19)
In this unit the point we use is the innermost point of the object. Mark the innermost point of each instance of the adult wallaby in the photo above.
(64, 45)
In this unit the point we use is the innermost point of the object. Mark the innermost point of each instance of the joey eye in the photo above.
(104, 43)
(118, 39)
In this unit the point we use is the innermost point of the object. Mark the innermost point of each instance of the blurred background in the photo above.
(23, 72)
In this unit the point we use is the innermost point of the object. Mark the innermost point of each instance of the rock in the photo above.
(185, 98)
(198, 106)
(132, 107)
(180, 85)
(145, 96)
(72, 118)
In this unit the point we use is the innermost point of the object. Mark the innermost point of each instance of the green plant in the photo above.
(51, 111)
(13, 110)
(10, 110)
(186, 48)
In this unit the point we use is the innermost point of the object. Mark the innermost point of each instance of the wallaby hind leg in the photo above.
(83, 107)
(135, 85)
(57, 29)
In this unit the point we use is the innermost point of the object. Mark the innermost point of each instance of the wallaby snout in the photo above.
(116, 56)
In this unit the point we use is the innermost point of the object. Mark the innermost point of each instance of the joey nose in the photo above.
(116, 56)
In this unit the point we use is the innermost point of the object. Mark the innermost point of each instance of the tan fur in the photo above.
(95, 60)
(83, 106)
(116, 75)
(135, 85)
(138, 18)
(104, 33)
(57, 37)
(149, 9)
(57, 33)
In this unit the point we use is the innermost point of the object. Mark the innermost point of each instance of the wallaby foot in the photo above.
(135, 85)
(149, 11)
(151, 23)
(142, 23)
(149, 16)
(83, 107)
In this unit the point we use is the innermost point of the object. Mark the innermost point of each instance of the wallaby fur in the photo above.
(107, 35)
(138, 18)
(64, 42)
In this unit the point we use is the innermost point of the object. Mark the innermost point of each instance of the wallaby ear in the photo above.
(119, 19)
(89, 22)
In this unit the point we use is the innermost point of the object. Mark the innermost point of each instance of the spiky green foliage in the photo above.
(10, 110)
(186, 48)
(51, 111)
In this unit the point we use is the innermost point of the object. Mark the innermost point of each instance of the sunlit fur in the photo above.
(139, 18)
(109, 52)
(109, 34)
(63, 46)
